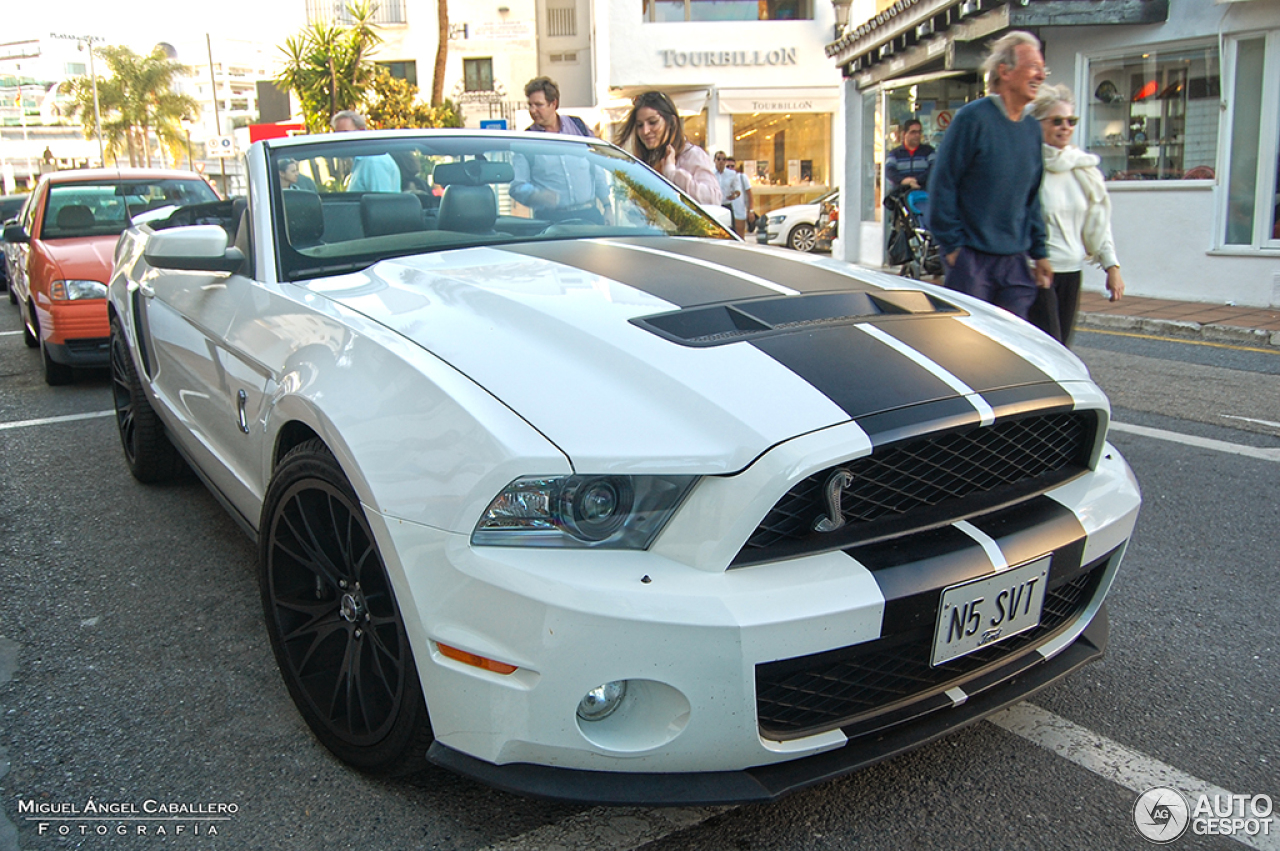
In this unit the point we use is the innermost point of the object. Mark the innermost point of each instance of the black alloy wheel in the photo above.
(147, 450)
(334, 623)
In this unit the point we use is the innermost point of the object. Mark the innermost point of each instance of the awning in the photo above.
(917, 36)
(688, 101)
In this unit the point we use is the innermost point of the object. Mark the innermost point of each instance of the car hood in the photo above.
(698, 355)
(85, 258)
(807, 210)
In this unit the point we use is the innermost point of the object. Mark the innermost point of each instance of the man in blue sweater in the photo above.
(984, 190)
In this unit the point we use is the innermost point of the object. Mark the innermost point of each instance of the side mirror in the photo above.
(195, 248)
(14, 232)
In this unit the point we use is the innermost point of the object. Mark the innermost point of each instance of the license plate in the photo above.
(984, 611)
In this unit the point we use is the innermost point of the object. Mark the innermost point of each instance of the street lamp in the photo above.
(83, 41)
(842, 14)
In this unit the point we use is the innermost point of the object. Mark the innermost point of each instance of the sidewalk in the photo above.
(1218, 323)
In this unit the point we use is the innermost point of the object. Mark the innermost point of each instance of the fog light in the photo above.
(602, 701)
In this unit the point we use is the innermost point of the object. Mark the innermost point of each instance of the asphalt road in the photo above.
(134, 666)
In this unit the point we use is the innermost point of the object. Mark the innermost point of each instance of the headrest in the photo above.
(470, 209)
(473, 173)
(303, 217)
(75, 217)
(387, 213)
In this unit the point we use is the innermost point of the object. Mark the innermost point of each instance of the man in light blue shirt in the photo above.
(557, 188)
(369, 174)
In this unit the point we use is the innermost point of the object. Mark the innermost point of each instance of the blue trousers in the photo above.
(1004, 280)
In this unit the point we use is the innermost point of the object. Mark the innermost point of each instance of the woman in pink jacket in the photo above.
(659, 138)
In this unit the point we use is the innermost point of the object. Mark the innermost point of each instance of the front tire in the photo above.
(803, 238)
(147, 450)
(334, 623)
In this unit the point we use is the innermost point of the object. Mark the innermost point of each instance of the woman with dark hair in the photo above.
(659, 141)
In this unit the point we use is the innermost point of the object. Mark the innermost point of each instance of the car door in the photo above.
(215, 393)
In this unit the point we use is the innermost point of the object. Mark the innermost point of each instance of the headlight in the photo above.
(776, 220)
(76, 290)
(618, 512)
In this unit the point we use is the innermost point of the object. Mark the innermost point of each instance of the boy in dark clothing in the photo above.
(984, 198)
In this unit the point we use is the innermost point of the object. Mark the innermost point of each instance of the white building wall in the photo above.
(1166, 231)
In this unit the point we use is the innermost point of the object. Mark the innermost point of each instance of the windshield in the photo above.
(106, 208)
(344, 204)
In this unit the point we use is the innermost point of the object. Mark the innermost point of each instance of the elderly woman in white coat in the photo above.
(1077, 213)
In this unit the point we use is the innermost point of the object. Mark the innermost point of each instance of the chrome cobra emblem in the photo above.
(833, 490)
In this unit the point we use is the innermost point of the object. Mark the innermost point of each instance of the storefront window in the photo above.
(786, 155)
(1154, 116)
(1246, 124)
(727, 10)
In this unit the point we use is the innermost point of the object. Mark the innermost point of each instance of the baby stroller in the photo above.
(911, 246)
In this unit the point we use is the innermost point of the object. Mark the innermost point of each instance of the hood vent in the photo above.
(728, 323)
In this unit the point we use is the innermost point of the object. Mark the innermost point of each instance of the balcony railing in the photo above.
(335, 12)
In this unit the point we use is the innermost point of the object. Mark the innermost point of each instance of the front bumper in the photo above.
(769, 782)
(693, 638)
(76, 333)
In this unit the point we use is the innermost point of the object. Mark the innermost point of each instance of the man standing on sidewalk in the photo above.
(984, 190)
(557, 188)
(909, 164)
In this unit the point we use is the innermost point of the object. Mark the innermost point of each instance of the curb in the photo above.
(1180, 329)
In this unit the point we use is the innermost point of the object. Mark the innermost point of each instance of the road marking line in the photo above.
(609, 829)
(48, 420)
(1250, 420)
(9, 333)
(1263, 453)
(1110, 760)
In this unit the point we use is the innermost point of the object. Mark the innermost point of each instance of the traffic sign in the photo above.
(220, 146)
(943, 120)
(493, 124)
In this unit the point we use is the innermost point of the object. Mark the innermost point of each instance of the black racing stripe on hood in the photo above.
(1044, 398)
(668, 278)
(792, 272)
(918, 420)
(854, 370)
(974, 358)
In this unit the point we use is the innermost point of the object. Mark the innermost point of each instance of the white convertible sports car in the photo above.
(593, 501)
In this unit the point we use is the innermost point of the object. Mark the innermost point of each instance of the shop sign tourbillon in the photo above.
(710, 58)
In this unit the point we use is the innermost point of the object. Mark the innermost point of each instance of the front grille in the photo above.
(839, 688)
(925, 482)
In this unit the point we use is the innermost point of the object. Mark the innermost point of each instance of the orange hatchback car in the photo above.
(65, 243)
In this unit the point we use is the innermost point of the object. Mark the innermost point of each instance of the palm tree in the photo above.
(328, 66)
(137, 99)
(442, 52)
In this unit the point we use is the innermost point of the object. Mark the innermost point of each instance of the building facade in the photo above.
(1181, 101)
(749, 77)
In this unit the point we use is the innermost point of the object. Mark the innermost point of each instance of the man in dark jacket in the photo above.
(984, 190)
(909, 164)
